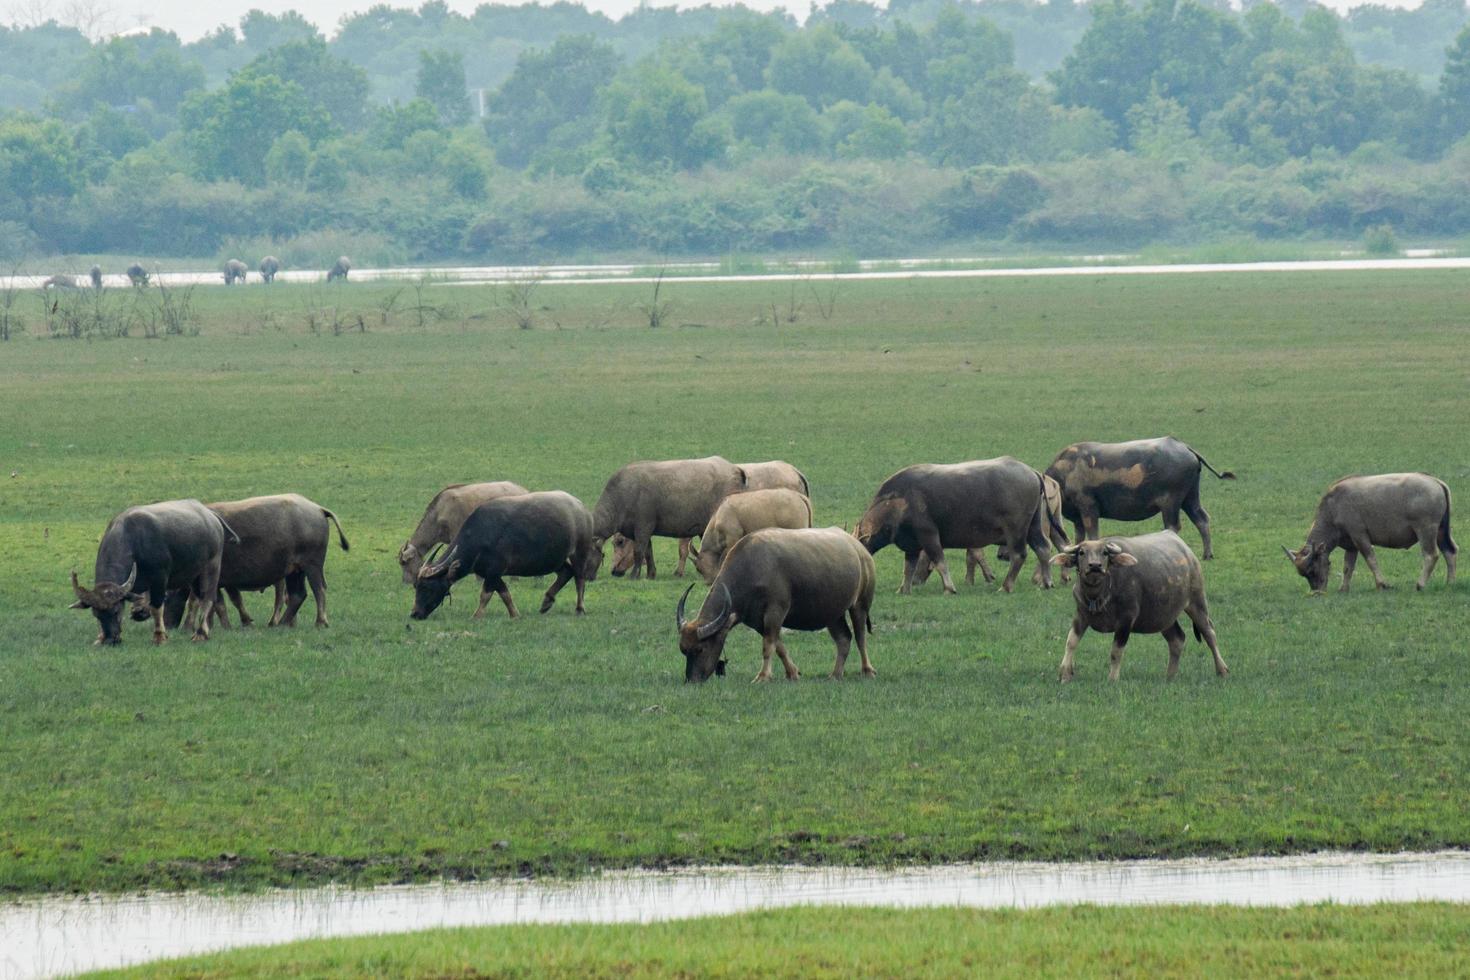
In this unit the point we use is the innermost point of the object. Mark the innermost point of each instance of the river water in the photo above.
(53, 936)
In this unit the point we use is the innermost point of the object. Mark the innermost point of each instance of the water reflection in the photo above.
(51, 936)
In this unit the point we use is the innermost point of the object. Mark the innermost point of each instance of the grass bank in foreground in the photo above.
(374, 752)
(1339, 941)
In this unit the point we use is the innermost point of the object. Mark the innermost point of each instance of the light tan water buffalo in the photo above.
(443, 518)
(144, 553)
(1395, 510)
(672, 498)
(1137, 585)
(975, 557)
(741, 513)
(773, 474)
(282, 543)
(339, 269)
(925, 508)
(810, 579)
(60, 281)
(525, 534)
(1132, 481)
(235, 271)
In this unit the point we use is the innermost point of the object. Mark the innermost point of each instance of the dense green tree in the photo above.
(1454, 89)
(467, 171)
(770, 119)
(744, 39)
(550, 99)
(999, 120)
(329, 83)
(879, 136)
(393, 125)
(288, 160)
(327, 172)
(820, 66)
(36, 161)
(440, 82)
(124, 71)
(231, 130)
(657, 116)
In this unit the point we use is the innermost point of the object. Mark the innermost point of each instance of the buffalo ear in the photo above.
(1066, 559)
(1123, 558)
(1320, 548)
(453, 568)
(734, 618)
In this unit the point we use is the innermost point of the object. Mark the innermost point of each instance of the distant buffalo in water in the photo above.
(96, 275)
(234, 271)
(59, 281)
(339, 269)
(269, 266)
(137, 275)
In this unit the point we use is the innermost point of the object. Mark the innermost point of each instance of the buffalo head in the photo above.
(431, 586)
(410, 560)
(702, 640)
(1312, 563)
(879, 526)
(622, 558)
(1093, 560)
(106, 600)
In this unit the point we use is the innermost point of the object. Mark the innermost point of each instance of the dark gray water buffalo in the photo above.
(443, 518)
(1138, 585)
(1132, 481)
(283, 543)
(147, 551)
(1395, 510)
(524, 535)
(772, 474)
(339, 269)
(741, 513)
(137, 275)
(975, 557)
(925, 508)
(811, 579)
(96, 276)
(672, 498)
(235, 271)
(269, 266)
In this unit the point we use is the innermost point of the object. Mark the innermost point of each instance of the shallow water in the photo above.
(54, 936)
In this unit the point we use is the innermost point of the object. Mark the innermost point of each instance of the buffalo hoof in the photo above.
(546, 604)
(159, 639)
(1064, 677)
(581, 611)
(869, 672)
(1318, 593)
(199, 638)
(761, 678)
(1384, 586)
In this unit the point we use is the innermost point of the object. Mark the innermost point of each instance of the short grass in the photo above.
(376, 752)
(1338, 941)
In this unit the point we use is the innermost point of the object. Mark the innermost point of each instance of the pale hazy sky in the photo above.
(191, 18)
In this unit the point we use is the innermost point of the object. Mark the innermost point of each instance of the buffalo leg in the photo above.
(1431, 554)
(683, 557)
(1120, 640)
(1371, 557)
(1069, 657)
(842, 636)
(563, 575)
(510, 604)
(1174, 636)
(1040, 547)
(318, 593)
(208, 588)
(581, 591)
(1201, 520)
(295, 596)
(1199, 614)
(486, 591)
(643, 554)
(930, 543)
(1018, 559)
(280, 604)
(860, 630)
(910, 565)
(1349, 563)
(792, 673)
(768, 646)
(222, 609)
(159, 633)
(975, 557)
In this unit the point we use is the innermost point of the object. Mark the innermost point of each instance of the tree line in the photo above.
(521, 133)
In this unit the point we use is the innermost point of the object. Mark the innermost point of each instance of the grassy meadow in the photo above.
(377, 751)
(1324, 940)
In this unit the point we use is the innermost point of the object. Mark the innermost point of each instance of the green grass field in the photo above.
(373, 752)
(1371, 941)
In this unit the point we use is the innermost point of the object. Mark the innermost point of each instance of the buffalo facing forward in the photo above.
(808, 579)
(1137, 585)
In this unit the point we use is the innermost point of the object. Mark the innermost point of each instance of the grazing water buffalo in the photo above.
(60, 281)
(975, 557)
(235, 271)
(443, 518)
(1138, 585)
(525, 535)
(269, 266)
(137, 275)
(811, 579)
(96, 276)
(1132, 481)
(740, 514)
(669, 498)
(282, 542)
(145, 552)
(925, 508)
(773, 474)
(1394, 510)
(339, 269)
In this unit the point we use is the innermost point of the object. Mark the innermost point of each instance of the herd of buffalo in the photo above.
(233, 271)
(766, 565)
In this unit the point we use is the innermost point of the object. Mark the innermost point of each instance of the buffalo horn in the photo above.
(83, 596)
(1283, 548)
(679, 612)
(1113, 548)
(712, 627)
(132, 577)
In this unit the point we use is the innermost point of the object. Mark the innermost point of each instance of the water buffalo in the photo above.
(975, 557)
(1132, 481)
(670, 498)
(283, 544)
(525, 535)
(810, 579)
(925, 508)
(1137, 585)
(234, 271)
(740, 514)
(96, 276)
(443, 518)
(339, 269)
(151, 549)
(772, 474)
(1394, 510)
(269, 266)
(137, 275)
(60, 281)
